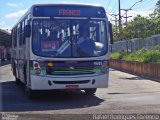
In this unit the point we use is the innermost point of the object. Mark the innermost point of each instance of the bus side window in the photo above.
(12, 34)
(25, 24)
(23, 37)
(15, 38)
(20, 33)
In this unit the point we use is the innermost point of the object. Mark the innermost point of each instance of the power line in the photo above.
(134, 5)
(115, 19)
(116, 23)
(145, 5)
(144, 2)
(126, 17)
(109, 15)
(114, 8)
(108, 5)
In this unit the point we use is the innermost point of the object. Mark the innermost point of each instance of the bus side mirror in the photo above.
(111, 33)
(27, 31)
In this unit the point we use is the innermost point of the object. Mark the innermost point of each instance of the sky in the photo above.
(12, 10)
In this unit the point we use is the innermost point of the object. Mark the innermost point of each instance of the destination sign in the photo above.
(68, 11)
(64, 12)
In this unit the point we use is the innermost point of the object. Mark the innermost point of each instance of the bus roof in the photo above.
(65, 10)
(72, 4)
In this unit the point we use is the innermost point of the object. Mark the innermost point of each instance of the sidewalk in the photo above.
(4, 63)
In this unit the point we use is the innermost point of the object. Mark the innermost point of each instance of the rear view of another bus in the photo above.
(68, 48)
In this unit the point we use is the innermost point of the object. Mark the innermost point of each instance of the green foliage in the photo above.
(140, 27)
(142, 55)
(156, 13)
(118, 55)
(157, 48)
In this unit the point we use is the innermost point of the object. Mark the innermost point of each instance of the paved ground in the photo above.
(127, 94)
(4, 63)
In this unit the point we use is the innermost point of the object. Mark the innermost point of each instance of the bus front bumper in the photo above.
(51, 83)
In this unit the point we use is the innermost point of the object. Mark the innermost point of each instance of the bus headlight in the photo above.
(105, 67)
(37, 68)
(37, 71)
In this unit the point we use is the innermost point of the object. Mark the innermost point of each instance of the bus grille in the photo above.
(70, 71)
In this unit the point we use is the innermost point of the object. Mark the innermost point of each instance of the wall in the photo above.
(150, 70)
(135, 44)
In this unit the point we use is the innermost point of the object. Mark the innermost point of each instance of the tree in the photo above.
(156, 13)
(140, 27)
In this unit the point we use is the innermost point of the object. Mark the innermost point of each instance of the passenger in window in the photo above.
(85, 45)
(84, 35)
(53, 35)
(61, 38)
(44, 34)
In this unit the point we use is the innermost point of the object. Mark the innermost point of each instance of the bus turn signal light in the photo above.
(50, 64)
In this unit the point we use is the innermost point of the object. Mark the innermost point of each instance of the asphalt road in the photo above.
(127, 94)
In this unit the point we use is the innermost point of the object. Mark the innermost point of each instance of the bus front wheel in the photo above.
(18, 82)
(90, 91)
(30, 93)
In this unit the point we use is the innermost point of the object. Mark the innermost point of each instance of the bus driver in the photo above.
(85, 45)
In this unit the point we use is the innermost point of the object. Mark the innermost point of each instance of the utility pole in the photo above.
(119, 4)
(115, 17)
(126, 17)
(115, 20)
(120, 24)
(126, 10)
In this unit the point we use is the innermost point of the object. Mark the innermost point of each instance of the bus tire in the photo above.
(30, 93)
(90, 91)
(14, 69)
(18, 82)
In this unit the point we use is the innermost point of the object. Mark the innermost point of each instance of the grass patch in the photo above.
(118, 55)
(142, 55)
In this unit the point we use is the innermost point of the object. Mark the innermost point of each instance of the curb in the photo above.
(142, 76)
(4, 66)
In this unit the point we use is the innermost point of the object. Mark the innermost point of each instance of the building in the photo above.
(5, 44)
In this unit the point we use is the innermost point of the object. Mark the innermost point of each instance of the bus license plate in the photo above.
(72, 87)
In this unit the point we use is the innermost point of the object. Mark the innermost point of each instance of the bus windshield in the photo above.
(63, 38)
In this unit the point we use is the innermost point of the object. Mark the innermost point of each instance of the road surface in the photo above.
(127, 94)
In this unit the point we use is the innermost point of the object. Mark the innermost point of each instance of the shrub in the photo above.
(157, 48)
(142, 55)
(118, 55)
